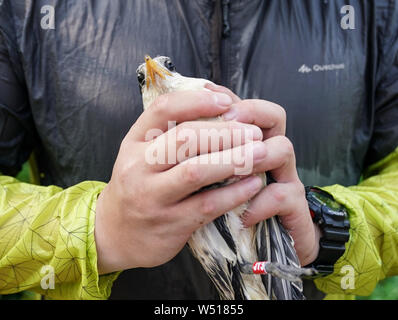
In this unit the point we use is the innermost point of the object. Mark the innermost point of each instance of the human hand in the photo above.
(147, 212)
(286, 197)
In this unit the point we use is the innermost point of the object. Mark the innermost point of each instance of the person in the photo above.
(319, 78)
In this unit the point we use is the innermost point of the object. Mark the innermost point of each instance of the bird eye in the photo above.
(141, 79)
(169, 65)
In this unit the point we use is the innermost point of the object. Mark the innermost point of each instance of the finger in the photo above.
(267, 115)
(275, 199)
(217, 88)
(190, 139)
(280, 160)
(190, 176)
(177, 107)
(289, 203)
(207, 206)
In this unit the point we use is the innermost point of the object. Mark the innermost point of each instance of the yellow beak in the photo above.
(153, 69)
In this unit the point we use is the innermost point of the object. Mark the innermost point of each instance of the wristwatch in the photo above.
(332, 219)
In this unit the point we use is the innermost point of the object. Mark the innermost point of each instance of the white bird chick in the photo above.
(224, 247)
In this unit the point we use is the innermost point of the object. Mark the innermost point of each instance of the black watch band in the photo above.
(333, 222)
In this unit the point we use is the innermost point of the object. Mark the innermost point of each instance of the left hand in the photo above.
(286, 197)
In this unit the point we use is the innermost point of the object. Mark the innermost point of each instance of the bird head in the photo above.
(155, 77)
(158, 76)
(152, 74)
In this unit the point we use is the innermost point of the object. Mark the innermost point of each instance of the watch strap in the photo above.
(334, 225)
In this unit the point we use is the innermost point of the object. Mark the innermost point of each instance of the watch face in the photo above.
(325, 199)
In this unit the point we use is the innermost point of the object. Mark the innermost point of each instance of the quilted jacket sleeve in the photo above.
(372, 251)
(47, 240)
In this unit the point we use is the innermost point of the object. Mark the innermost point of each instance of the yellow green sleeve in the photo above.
(372, 250)
(45, 229)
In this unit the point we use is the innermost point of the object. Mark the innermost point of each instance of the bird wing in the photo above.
(217, 257)
(275, 244)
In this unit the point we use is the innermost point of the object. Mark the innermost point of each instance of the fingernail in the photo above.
(212, 86)
(259, 151)
(222, 99)
(243, 219)
(231, 114)
(257, 133)
(254, 184)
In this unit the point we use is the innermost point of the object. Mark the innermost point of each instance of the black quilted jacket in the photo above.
(69, 90)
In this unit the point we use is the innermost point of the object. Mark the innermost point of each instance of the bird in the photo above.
(255, 263)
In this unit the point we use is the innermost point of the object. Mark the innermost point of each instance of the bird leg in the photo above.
(278, 270)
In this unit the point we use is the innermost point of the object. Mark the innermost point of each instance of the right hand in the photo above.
(147, 212)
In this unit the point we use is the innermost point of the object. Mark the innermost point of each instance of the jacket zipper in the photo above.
(220, 28)
(225, 18)
(215, 42)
